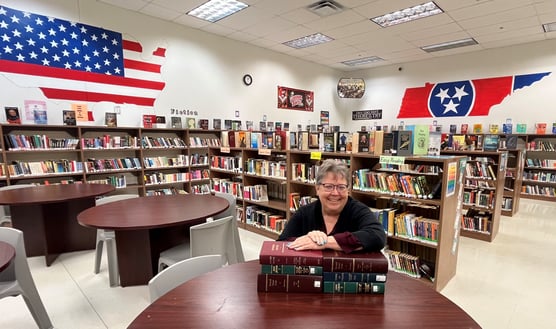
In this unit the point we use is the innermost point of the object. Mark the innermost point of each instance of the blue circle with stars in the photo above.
(452, 99)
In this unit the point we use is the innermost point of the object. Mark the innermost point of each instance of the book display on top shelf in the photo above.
(149, 120)
(521, 128)
(69, 117)
(540, 128)
(111, 119)
(176, 122)
(216, 124)
(507, 128)
(12, 115)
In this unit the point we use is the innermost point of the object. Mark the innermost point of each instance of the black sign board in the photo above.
(366, 115)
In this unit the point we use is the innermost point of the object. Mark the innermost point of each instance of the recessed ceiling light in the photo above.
(361, 61)
(408, 14)
(449, 45)
(308, 41)
(215, 10)
(549, 27)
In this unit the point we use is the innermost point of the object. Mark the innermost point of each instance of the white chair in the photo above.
(231, 211)
(181, 272)
(210, 238)
(109, 237)
(5, 219)
(16, 279)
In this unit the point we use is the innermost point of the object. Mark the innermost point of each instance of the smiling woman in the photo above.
(335, 221)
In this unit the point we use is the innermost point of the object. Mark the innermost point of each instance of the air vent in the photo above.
(325, 8)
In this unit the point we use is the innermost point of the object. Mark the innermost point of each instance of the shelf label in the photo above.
(225, 150)
(265, 151)
(392, 159)
(316, 155)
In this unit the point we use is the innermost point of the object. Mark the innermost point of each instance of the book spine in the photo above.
(342, 287)
(347, 264)
(291, 269)
(353, 277)
(289, 283)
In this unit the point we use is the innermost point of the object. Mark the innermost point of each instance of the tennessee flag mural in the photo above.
(462, 98)
(73, 61)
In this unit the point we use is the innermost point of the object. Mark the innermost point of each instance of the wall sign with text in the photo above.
(366, 115)
(295, 99)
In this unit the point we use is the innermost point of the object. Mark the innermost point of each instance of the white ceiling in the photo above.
(269, 23)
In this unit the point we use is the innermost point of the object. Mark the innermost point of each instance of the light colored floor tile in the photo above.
(506, 284)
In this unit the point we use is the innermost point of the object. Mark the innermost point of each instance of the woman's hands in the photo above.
(312, 240)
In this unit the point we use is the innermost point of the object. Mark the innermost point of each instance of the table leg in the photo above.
(134, 257)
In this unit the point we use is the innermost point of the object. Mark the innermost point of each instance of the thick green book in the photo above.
(344, 287)
(291, 269)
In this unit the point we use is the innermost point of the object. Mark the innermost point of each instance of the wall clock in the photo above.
(247, 79)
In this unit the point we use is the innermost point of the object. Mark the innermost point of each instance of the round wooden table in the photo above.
(7, 254)
(47, 216)
(146, 226)
(228, 298)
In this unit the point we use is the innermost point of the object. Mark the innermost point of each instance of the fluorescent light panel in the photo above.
(308, 41)
(361, 61)
(549, 27)
(215, 10)
(449, 45)
(408, 14)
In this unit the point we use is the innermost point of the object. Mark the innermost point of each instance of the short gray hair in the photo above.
(335, 167)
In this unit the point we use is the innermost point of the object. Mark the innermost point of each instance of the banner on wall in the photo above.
(295, 99)
(77, 62)
(462, 98)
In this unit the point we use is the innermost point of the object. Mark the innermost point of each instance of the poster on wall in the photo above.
(295, 99)
(351, 88)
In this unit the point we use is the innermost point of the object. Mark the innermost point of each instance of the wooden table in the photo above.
(7, 254)
(146, 226)
(47, 216)
(228, 298)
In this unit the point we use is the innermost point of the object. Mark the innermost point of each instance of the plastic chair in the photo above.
(109, 237)
(16, 279)
(209, 238)
(5, 210)
(231, 211)
(181, 272)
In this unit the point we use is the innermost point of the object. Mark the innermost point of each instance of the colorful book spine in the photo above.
(371, 262)
(289, 283)
(354, 287)
(278, 253)
(291, 269)
(353, 277)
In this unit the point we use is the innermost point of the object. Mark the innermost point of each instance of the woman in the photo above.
(336, 220)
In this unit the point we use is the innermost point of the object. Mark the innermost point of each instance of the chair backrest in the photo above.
(213, 238)
(181, 272)
(235, 243)
(19, 268)
(5, 210)
(113, 198)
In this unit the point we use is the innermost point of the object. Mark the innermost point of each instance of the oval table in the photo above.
(47, 216)
(228, 298)
(146, 226)
(7, 254)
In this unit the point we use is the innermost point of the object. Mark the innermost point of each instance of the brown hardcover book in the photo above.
(278, 253)
(366, 262)
(289, 283)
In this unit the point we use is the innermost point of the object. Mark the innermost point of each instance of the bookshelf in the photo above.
(512, 182)
(539, 172)
(485, 173)
(436, 243)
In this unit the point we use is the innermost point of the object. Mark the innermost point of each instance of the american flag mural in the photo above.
(76, 62)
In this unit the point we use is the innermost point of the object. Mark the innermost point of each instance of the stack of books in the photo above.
(317, 271)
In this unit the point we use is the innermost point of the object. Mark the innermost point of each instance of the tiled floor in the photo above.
(505, 284)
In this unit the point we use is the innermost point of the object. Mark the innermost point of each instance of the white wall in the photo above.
(203, 72)
(385, 86)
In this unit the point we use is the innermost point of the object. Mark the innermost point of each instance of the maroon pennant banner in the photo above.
(295, 99)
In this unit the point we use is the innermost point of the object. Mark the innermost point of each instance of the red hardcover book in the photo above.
(289, 283)
(367, 262)
(277, 253)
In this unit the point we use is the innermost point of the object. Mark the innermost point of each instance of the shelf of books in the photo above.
(512, 182)
(485, 173)
(539, 172)
(417, 199)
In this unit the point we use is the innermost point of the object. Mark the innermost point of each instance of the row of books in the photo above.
(225, 185)
(296, 200)
(197, 159)
(507, 203)
(109, 142)
(96, 165)
(200, 189)
(165, 191)
(21, 168)
(257, 192)
(540, 163)
(399, 184)
(494, 128)
(320, 271)
(164, 162)
(196, 141)
(540, 145)
(540, 176)
(161, 178)
(263, 167)
(162, 142)
(38, 142)
(479, 198)
(116, 181)
(230, 163)
(538, 190)
(403, 263)
(479, 169)
(263, 218)
(477, 221)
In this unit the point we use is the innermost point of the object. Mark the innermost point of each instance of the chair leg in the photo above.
(113, 273)
(98, 256)
(36, 307)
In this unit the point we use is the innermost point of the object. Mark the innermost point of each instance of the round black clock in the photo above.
(247, 80)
